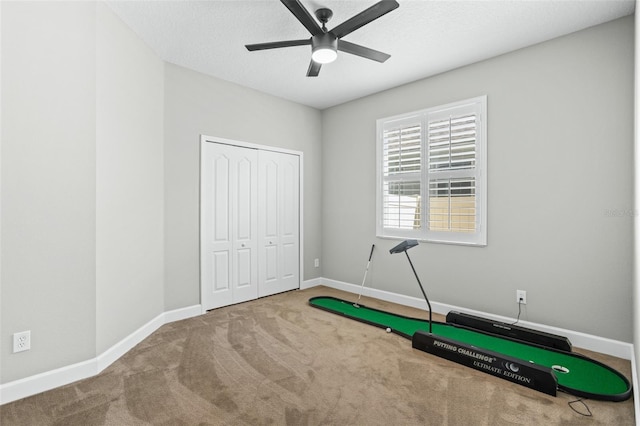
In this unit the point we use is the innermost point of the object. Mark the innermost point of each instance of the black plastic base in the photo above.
(512, 369)
(509, 330)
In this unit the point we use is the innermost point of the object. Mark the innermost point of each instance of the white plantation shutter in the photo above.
(432, 177)
(402, 149)
(402, 205)
(452, 205)
(452, 142)
(402, 174)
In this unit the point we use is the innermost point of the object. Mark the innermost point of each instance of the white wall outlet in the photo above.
(521, 297)
(21, 341)
(317, 263)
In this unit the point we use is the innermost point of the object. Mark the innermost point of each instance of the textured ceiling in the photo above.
(423, 37)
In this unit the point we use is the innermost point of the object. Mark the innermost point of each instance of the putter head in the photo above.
(403, 246)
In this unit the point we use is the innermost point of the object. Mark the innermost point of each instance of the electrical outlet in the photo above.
(21, 341)
(521, 297)
(317, 263)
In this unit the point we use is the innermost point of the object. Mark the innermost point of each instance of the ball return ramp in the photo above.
(535, 365)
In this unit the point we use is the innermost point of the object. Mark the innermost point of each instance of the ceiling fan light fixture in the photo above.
(324, 48)
(324, 55)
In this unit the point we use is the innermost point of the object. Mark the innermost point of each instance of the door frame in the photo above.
(214, 139)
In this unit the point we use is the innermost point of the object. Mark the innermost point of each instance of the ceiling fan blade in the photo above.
(277, 44)
(365, 52)
(364, 17)
(314, 69)
(303, 16)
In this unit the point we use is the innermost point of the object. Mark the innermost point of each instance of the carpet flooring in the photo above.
(278, 361)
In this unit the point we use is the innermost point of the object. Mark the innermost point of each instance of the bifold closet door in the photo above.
(278, 222)
(230, 217)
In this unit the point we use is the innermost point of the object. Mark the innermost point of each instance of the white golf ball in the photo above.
(388, 330)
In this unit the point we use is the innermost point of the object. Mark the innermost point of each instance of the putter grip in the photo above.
(371, 254)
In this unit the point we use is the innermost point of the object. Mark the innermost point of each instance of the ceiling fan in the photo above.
(324, 43)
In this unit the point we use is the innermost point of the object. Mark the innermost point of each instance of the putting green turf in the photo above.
(585, 377)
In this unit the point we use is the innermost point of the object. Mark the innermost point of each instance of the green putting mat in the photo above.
(584, 377)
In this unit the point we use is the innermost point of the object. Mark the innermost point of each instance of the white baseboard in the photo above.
(582, 340)
(32, 385)
(38, 383)
(112, 354)
(182, 313)
(310, 283)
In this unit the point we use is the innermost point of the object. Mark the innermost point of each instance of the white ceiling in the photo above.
(423, 37)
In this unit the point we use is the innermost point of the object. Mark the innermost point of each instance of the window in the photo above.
(432, 174)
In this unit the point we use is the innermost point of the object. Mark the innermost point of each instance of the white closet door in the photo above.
(278, 222)
(229, 234)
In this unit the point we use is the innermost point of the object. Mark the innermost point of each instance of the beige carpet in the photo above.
(278, 361)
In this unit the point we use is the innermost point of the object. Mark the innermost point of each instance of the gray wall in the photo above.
(560, 149)
(48, 185)
(82, 184)
(129, 182)
(196, 104)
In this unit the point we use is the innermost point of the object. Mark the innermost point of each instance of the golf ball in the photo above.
(388, 330)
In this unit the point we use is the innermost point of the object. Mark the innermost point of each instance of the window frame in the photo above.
(477, 105)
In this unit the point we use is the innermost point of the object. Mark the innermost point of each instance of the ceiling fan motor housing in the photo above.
(322, 45)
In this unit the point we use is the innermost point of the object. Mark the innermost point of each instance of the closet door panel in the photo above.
(216, 221)
(268, 224)
(290, 222)
(229, 221)
(278, 222)
(245, 229)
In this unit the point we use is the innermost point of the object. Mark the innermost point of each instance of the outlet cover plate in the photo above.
(521, 294)
(21, 341)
